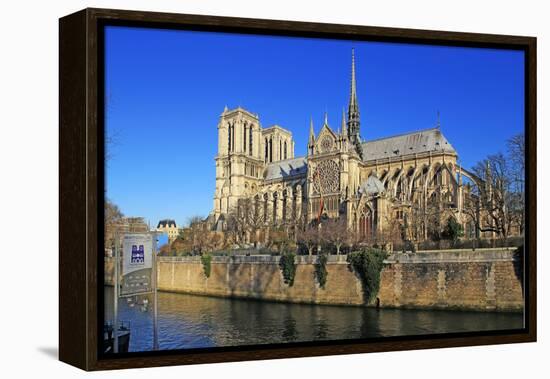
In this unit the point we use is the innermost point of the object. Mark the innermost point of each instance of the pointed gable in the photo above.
(326, 141)
(324, 131)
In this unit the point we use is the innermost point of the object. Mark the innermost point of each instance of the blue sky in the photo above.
(166, 89)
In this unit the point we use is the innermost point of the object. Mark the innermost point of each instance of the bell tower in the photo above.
(239, 162)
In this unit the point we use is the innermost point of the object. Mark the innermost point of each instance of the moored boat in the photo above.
(123, 338)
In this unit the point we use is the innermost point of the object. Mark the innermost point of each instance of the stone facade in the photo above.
(169, 228)
(373, 185)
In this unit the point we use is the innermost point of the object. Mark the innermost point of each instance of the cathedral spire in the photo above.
(353, 105)
(326, 119)
(353, 111)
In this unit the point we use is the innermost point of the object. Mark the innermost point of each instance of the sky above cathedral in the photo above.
(166, 89)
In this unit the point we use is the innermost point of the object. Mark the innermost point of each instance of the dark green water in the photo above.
(188, 321)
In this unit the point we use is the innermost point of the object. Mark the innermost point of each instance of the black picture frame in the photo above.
(81, 184)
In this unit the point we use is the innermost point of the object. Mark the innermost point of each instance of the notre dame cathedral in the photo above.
(371, 184)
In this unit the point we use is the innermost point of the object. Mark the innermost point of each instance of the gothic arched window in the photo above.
(264, 207)
(285, 149)
(266, 150)
(244, 138)
(229, 137)
(250, 140)
(366, 224)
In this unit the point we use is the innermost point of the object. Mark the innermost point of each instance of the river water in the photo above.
(189, 321)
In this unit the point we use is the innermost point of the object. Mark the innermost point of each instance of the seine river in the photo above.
(189, 321)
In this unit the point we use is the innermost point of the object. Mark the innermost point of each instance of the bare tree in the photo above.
(213, 241)
(516, 153)
(237, 221)
(182, 244)
(194, 220)
(253, 219)
(334, 232)
(297, 226)
(196, 237)
(497, 201)
(310, 238)
(245, 221)
(197, 231)
(113, 216)
(391, 234)
(112, 136)
(353, 239)
(492, 195)
(280, 240)
(164, 250)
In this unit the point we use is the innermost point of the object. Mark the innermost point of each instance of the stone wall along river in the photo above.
(482, 280)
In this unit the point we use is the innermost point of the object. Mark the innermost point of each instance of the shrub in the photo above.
(206, 260)
(368, 264)
(453, 230)
(321, 269)
(288, 267)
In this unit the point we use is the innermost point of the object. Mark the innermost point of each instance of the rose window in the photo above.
(326, 178)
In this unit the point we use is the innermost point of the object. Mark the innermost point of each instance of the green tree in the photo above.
(453, 230)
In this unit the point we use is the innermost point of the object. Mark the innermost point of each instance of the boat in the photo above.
(123, 338)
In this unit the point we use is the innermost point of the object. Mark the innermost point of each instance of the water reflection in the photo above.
(188, 321)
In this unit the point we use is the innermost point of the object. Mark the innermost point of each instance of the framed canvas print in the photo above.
(236, 189)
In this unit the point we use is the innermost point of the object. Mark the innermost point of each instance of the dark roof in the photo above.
(285, 169)
(421, 141)
(166, 223)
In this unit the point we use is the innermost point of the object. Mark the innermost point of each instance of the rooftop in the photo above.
(278, 127)
(166, 223)
(239, 109)
(417, 142)
(286, 168)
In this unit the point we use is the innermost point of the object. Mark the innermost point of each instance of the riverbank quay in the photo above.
(480, 280)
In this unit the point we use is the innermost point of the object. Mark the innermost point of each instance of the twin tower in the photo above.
(246, 150)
